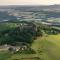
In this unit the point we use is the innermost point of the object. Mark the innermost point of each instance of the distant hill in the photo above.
(31, 8)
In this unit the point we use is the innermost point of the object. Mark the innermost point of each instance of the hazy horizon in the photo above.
(29, 2)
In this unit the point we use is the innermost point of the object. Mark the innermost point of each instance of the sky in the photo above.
(29, 2)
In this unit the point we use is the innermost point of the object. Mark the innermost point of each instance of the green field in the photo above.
(46, 47)
(57, 20)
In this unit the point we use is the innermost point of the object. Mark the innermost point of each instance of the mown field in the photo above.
(46, 47)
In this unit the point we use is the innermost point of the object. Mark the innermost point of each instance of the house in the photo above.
(28, 25)
(14, 49)
(18, 47)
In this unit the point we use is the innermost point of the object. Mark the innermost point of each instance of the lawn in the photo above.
(46, 47)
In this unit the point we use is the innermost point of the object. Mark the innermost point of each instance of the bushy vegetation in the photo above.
(15, 34)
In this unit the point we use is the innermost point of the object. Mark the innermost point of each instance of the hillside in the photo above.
(47, 48)
(30, 32)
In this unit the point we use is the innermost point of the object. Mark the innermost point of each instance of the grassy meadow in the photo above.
(46, 48)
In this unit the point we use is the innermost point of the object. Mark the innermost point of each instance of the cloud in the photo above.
(29, 2)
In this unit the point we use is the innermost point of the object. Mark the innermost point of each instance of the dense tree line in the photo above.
(14, 35)
(26, 35)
